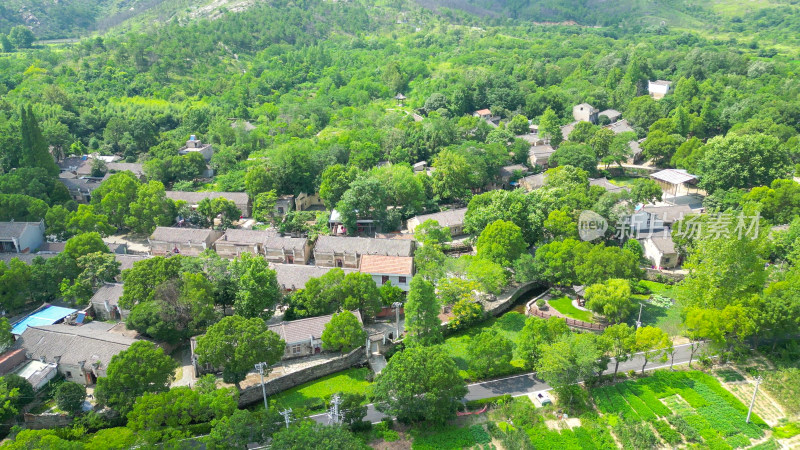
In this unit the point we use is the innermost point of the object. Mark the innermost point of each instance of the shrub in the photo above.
(541, 304)
(666, 432)
(789, 430)
(390, 435)
(501, 399)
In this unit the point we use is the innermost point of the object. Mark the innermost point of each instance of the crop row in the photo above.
(709, 434)
(636, 403)
(666, 432)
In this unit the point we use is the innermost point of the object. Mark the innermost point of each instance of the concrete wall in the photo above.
(394, 279)
(252, 394)
(330, 259)
(228, 249)
(507, 299)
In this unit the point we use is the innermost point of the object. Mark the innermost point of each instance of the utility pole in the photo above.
(753, 401)
(287, 416)
(333, 413)
(396, 306)
(639, 320)
(261, 367)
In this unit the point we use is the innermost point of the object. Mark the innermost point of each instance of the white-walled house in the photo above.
(661, 251)
(384, 269)
(659, 88)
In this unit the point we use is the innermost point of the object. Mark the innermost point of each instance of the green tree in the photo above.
(258, 290)
(115, 195)
(242, 428)
(151, 209)
(70, 397)
(429, 262)
(358, 291)
(235, 344)
(501, 242)
(180, 407)
(141, 368)
(6, 338)
(220, 209)
(645, 190)
(96, 269)
(513, 206)
(335, 182)
(343, 333)
(422, 313)
(35, 152)
(140, 281)
(84, 244)
(8, 398)
(660, 147)
(420, 384)
(258, 180)
(15, 287)
(317, 436)
(5, 44)
(651, 342)
(452, 177)
(742, 162)
(622, 343)
(642, 112)
(536, 334)
(602, 262)
(518, 125)
(560, 224)
(431, 233)
(489, 355)
(21, 36)
(611, 299)
(366, 199)
(549, 128)
(567, 361)
(264, 207)
(576, 155)
(22, 387)
(466, 312)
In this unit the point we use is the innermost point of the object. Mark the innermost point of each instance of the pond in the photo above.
(519, 305)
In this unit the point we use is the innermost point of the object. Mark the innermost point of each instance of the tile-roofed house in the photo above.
(184, 241)
(21, 237)
(533, 182)
(585, 112)
(612, 114)
(507, 172)
(27, 258)
(135, 168)
(194, 145)
(292, 277)
(668, 214)
(288, 250)
(539, 154)
(127, 261)
(303, 336)
(620, 126)
(52, 247)
(81, 188)
(384, 269)
(235, 242)
(82, 353)
(37, 373)
(105, 302)
(73, 164)
(660, 249)
(607, 185)
(636, 151)
(567, 129)
(452, 218)
(336, 251)
(395, 235)
(241, 199)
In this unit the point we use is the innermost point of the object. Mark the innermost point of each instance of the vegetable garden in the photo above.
(689, 407)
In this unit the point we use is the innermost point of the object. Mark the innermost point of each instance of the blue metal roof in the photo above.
(46, 316)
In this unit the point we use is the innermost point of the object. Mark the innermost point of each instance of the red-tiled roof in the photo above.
(394, 265)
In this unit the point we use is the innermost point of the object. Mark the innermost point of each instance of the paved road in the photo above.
(527, 383)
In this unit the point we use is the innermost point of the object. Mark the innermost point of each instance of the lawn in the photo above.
(564, 306)
(668, 319)
(312, 395)
(508, 325)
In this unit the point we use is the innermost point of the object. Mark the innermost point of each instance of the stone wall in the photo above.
(654, 275)
(46, 421)
(253, 394)
(507, 299)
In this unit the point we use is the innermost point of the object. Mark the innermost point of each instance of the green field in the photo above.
(565, 307)
(508, 325)
(312, 395)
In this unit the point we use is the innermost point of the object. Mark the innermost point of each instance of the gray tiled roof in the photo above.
(607, 185)
(286, 243)
(445, 218)
(127, 261)
(136, 168)
(295, 276)
(620, 127)
(303, 330)
(10, 230)
(175, 234)
(84, 184)
(90, 343)
(27, 258)
(247, 236)
(365, 246)
(108, 293)
(664, 244)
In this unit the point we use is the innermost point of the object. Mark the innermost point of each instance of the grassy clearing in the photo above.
(668, 319)
(312, 395)
(564, 306)
(508, 325)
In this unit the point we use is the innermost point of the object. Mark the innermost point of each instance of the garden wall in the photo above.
(45, 421)
(658, 275)
(253, 394)
(507, 299)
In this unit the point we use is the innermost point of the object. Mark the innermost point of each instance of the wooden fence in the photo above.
(570, 322)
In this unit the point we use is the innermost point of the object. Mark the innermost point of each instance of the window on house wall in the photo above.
(384, 279)
(296, 349)
(69, 374)
(403, 279)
